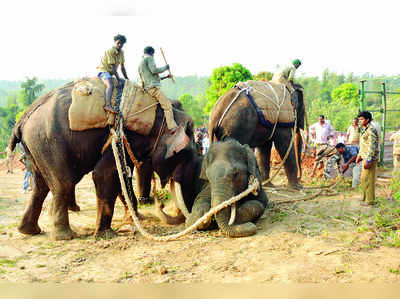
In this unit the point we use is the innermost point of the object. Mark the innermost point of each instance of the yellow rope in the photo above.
(252, 188)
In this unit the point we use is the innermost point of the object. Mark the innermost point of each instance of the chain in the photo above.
(127, 176)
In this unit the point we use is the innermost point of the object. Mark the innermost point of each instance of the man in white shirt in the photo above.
(321, 131)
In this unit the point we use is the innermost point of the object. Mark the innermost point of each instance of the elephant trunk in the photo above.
(222, 191)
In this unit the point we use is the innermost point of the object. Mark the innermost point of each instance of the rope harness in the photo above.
(252, 188)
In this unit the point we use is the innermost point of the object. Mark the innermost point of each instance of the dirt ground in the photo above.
(308, 241)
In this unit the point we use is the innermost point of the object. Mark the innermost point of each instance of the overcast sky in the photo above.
(66, 38)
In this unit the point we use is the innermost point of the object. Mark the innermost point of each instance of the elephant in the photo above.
(241, 122)
(226, 170)
(61, 157)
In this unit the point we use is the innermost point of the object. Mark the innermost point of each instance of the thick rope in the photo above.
(252, 188)
(229, 106)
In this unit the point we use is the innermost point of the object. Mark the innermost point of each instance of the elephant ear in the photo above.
(251, 161)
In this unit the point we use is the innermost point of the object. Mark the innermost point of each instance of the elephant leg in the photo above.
(127, 214)
(282, 139)
(144, 175)
(299, 145)
(106, 181)
(249, 211)
(73, 206)
(201, 206)
(29, 223)
(62, 191)
(263, 157)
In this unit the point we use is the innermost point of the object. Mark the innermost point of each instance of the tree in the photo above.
(194, 107)
(264, 76)
(30, 91)
(223, 79)
(346, 94)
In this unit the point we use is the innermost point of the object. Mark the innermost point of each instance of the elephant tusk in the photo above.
(177, 194)
(233, 214)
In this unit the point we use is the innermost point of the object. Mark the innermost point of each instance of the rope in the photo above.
(158, 138)
(252, 188)
(226, 110)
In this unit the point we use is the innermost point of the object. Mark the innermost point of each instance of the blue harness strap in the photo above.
(261, 115)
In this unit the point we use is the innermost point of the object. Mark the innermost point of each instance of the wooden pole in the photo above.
(169, 70)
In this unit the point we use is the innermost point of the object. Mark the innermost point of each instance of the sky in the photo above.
(67, 38)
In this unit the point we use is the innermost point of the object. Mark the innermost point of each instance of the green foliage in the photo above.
(194, 106)
(346, 95)
(223, 79)
(30, 91)
(263, 76)
(184, 85)
(16, 103)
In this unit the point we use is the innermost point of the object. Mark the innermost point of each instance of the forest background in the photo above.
(331, 94)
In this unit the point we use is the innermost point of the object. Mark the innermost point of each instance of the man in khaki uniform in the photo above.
(151, 81)
(369, 155)
(286, 75)
(395, 138)
(353, 134)
(108, 67)
(9, 159)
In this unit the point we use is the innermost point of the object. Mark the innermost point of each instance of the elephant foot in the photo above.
(74, 208)
(105, 234)
(128, 218)
(240, 230)
(295, 186)
(268, 185)
(145, 200)
(62, 233)
(29, 229)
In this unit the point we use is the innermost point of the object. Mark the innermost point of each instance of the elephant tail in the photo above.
(16, 136)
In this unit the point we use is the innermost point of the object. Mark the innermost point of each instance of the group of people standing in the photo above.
(358, 157)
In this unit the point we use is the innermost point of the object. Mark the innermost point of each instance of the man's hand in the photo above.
(345, 167)
(358, 160)
(367, 165)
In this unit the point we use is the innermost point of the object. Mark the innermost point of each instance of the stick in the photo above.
(169, 70)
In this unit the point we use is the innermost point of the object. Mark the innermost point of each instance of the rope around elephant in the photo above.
(252, 188)
(319, 188)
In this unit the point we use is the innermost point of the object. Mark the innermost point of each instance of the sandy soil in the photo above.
(311, 241)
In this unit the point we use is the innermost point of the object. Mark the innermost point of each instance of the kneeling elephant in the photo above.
(227, 168)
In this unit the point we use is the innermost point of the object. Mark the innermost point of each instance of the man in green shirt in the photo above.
(151, 82)
(286, 75)
(369, 155)
(108, 67)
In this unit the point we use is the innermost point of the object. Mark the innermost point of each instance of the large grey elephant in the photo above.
(226, 170)
(242, 122)
(61, 157)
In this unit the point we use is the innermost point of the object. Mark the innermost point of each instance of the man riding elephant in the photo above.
(108, 67)
(286, 75)
(151, 82)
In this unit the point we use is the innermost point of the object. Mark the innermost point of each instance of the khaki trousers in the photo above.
(10, 164)
(285, 82)
(166, 105)
(368, 179)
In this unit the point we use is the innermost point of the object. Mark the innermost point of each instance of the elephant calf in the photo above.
(227, 168)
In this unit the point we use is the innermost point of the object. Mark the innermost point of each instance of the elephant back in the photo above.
(272, 99)
(87, 108)
(88, 99)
